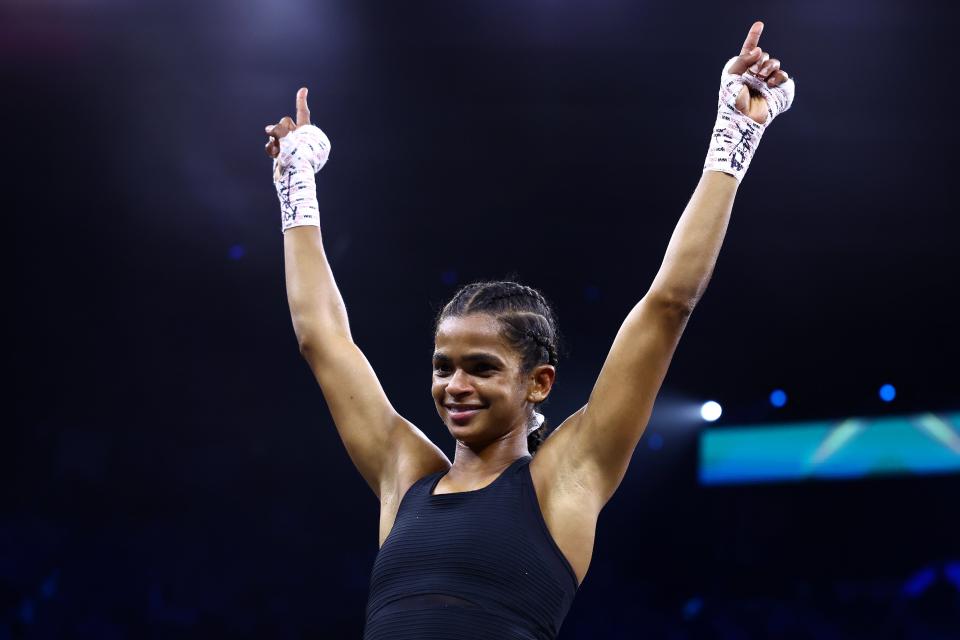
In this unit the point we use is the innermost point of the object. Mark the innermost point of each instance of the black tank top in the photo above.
(471, 565)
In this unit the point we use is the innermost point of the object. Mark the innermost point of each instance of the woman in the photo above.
(496, 544)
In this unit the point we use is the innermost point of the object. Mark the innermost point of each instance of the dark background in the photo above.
(171, 469)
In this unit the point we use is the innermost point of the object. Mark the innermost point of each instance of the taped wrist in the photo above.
(303, 152)
(736, 135)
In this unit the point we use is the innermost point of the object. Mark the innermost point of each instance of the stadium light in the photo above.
(711, 411)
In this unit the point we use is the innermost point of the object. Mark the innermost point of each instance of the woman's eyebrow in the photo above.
(470, 357)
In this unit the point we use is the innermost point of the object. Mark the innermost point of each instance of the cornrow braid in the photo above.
(519, 291)
(544, 344)
(504, 296)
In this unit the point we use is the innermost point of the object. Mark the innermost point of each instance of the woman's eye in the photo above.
(479, 369)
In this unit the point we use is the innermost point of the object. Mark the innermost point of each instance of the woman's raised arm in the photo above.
(601, 440)
(387, 449)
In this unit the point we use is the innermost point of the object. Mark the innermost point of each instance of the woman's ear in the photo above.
(541, 381)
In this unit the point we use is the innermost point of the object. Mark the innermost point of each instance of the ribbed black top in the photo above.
(469, 566)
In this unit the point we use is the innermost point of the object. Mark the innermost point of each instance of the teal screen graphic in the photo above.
(831, 449)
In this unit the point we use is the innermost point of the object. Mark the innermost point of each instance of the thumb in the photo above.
(743, 99)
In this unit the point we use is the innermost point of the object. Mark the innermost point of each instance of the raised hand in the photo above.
(753, 91)
(299, 150)
(286, 125)
(755, 61)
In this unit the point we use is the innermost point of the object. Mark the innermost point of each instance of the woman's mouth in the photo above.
(462, 416)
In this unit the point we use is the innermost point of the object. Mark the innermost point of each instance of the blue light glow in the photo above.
(692, 608)
(27, 611)
(778, 398)
(236, 252)
(952, 571)
(449, 277)
(888, 393)
(655, 441)
(49, 587)
(919, 582)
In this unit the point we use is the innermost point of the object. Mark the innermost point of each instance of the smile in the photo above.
(463, 415)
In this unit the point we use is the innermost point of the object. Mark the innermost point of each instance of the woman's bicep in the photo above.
(607, 430)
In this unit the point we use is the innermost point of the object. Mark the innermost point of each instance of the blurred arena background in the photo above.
(171, 469)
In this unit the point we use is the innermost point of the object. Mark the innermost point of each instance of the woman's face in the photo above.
(477, 386)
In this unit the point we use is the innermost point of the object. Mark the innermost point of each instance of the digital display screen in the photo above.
(831, 449)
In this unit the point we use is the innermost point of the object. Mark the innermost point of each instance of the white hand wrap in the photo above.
(736, 135)
(303, 152)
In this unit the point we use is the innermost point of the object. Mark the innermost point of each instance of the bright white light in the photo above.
(710, 411)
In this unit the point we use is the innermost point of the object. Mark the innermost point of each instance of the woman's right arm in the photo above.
(388, 450)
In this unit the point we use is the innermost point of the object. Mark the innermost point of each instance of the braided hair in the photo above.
(528, 325)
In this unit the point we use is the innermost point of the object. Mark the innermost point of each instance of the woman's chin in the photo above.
(469, 433)
(458, 430)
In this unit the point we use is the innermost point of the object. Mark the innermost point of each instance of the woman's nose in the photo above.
(459, 381)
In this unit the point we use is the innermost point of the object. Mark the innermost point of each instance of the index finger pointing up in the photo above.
(303, 113)
(753, 38)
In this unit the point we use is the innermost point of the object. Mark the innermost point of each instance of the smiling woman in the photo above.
(514, 330)
(496, 544)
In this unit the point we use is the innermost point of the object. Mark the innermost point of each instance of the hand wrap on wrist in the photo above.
(303, 152)
(736, 135)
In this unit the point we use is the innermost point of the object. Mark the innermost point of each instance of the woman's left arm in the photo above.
(601, 441)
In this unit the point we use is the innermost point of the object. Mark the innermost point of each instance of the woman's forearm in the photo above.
(695, 243)
(753, 91)
(316, 305)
